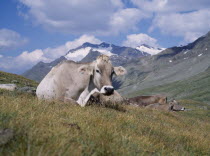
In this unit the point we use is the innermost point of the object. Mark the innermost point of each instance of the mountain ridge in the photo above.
(172, 64)
(87, 52)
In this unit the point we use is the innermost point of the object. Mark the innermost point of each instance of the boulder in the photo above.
(27, 89)
(10, 87)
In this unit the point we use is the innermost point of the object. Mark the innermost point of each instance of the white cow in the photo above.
(71, 81)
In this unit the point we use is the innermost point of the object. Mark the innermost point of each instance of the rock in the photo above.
(5, 136)
(27, 89)
(10, 87)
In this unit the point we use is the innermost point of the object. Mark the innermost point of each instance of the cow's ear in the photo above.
(84, 69)
(120, 70)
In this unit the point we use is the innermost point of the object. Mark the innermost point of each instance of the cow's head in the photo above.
(102, 72)
(174, 106)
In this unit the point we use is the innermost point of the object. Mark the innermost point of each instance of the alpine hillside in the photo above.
(171, 65)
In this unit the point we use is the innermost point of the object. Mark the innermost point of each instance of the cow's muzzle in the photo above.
(107, 90)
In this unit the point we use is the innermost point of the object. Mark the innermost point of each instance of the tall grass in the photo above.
(55, 128)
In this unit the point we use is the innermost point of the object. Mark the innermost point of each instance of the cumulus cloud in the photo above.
(126, 19)
(188, 19)
(135, 40)
(10, 39)
(1, 56)
(27, 59)
(99, 17)
(190, 25)
(172, 6)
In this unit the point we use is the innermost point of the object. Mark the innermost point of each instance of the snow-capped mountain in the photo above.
(150, 50)
(88, 52)
(81, 52)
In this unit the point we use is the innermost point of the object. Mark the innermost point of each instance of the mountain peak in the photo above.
(105, 45)
(88, 44)
(145, 45)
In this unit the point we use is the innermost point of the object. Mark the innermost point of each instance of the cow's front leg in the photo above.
(83, 100)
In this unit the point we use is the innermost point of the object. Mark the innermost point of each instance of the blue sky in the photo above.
(43, 30)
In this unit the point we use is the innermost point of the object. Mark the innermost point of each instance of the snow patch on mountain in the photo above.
(81, 53)
(186, 51)
(149, 50)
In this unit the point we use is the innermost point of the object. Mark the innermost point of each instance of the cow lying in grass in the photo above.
(147, 100)
(171, 106)
(73, 82)
(152, 102)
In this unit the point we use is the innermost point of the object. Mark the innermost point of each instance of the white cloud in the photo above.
(172, 6)
(27, 59)
(53, 53)
(188, 19)
(126, 19)
(98, 17)
(135, 40)
(190, 25)
(1, 56)
(10, 39)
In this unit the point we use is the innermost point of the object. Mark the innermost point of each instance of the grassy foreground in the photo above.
(55, 128)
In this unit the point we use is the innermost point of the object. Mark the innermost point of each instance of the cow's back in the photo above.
(62, 78)
(48, 87)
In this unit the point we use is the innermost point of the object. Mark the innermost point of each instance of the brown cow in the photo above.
(147, 100)
(153, 102)
(172, 106)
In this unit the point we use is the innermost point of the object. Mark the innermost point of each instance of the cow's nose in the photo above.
(109, 90)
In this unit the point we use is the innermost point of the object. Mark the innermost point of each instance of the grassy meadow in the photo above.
(55, 128)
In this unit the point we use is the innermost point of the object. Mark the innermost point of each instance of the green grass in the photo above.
(55, 128)
(20, 81)
(195, 88)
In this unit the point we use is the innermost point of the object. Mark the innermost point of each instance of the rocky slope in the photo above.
(172, 64)
(39, 71)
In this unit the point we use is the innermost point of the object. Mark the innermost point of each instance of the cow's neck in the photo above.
(90, 87)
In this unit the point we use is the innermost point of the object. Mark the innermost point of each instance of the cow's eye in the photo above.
(97, 71)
